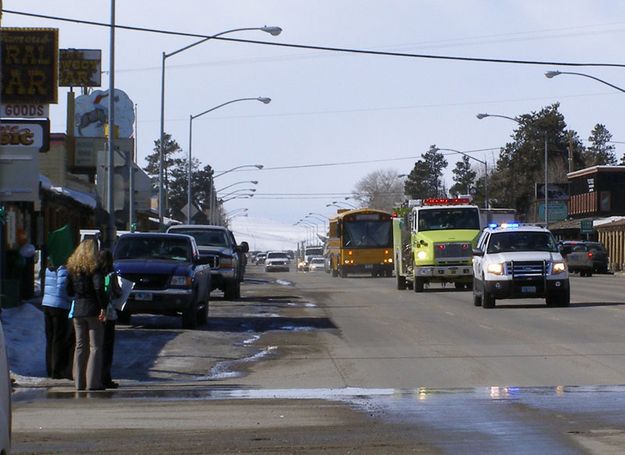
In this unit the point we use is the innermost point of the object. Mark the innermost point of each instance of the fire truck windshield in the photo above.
(448, 218)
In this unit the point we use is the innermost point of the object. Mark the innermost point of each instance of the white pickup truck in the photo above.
(514, 261)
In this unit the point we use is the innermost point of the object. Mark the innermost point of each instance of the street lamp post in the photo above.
(253, 182)
(552, 74)
(212, 200)
(545, 190)
(272, 30)
(324, 219)
(263, 100)
(486, 205)
(240, 191)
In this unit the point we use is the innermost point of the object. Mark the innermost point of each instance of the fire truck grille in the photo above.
(447, 251)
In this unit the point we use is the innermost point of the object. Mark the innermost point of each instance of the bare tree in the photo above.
(382, 189)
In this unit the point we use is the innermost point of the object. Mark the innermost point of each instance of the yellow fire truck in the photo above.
(433, 242)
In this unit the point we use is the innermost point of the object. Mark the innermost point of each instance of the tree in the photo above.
(464, 177)
(521, 162)
(600, 152)
(170, 162)
(380, 190)
(425, 179)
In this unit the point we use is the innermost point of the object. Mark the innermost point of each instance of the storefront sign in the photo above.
(80, 68)
(25, 134)
(23, 110)
(29, 65)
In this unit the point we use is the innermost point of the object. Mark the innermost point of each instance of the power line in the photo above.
(325, 48)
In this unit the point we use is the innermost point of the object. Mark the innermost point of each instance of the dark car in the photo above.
(600, 259)
(168, 274)
(578, 256)
(218, 248)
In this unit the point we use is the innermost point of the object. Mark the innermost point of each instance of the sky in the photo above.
(336, 117)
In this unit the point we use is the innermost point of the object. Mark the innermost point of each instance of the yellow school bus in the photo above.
(361, 241)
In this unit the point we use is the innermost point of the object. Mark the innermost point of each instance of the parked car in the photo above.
(5, 398)
(260, 258)
(578, 256)
(277, 261)
(600, 259)
(219, 249)
(302, 266)
(317, 264)
(168, 274)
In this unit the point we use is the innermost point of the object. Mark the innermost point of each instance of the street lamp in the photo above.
(253, 182)
(481, 116)
(352, 206)
(213, 198)
(263, 100)
(336, 204)
(324, 219)
(257, 166)
(486, 205)
(552, 74)
(272, 30)
(240, 191)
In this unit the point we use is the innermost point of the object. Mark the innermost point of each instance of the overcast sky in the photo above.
(331, 108)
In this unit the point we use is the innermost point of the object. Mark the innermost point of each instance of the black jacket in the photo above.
(88, 294)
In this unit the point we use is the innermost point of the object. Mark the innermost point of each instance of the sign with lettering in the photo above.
(25, 133)
(80, 68)
(23, 110)
(29, 65)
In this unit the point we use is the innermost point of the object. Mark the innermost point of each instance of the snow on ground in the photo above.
(264, 234)
(24, 332)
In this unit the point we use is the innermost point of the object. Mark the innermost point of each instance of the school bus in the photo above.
(361, 241)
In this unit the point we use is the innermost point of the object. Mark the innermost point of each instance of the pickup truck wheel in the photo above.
(202, 314)
(477, 299)
(123, 317)
(401, 282)
(488, 301)
(189, 316)
(238, 290)
(343, 273)
(335, 273)
(230, 291)
(559, 300)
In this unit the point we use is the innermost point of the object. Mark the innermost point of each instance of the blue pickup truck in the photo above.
(169, 276)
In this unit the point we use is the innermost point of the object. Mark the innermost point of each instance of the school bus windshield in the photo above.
(367, 234)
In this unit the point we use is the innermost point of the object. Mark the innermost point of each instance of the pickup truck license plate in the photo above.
(368, 266)
(143, 296)
(528, 289)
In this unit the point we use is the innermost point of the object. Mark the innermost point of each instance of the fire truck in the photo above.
(433, 241)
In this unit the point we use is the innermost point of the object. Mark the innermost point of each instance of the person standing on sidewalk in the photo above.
(113, 291)
(59, 331)
(85, 284)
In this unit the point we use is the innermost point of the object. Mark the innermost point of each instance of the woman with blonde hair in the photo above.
(85, 283)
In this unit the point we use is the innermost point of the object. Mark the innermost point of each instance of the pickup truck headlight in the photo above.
(558, 267)
(226, 263)
(182, 281)
(495, 268)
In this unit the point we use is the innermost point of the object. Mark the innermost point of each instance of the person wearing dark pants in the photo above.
(59, 331)
(85, 283)
(113, 291)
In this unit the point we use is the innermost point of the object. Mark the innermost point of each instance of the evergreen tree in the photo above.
(425, 179)
(170, 162)
(464, 177)
(521, 163)
(600, 151)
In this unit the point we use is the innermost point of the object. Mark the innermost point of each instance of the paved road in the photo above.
(352, 365)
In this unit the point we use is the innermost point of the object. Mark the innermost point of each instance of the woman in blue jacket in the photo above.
(59, 330)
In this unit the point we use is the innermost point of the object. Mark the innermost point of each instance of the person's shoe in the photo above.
(93, 389)
(111, 385)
